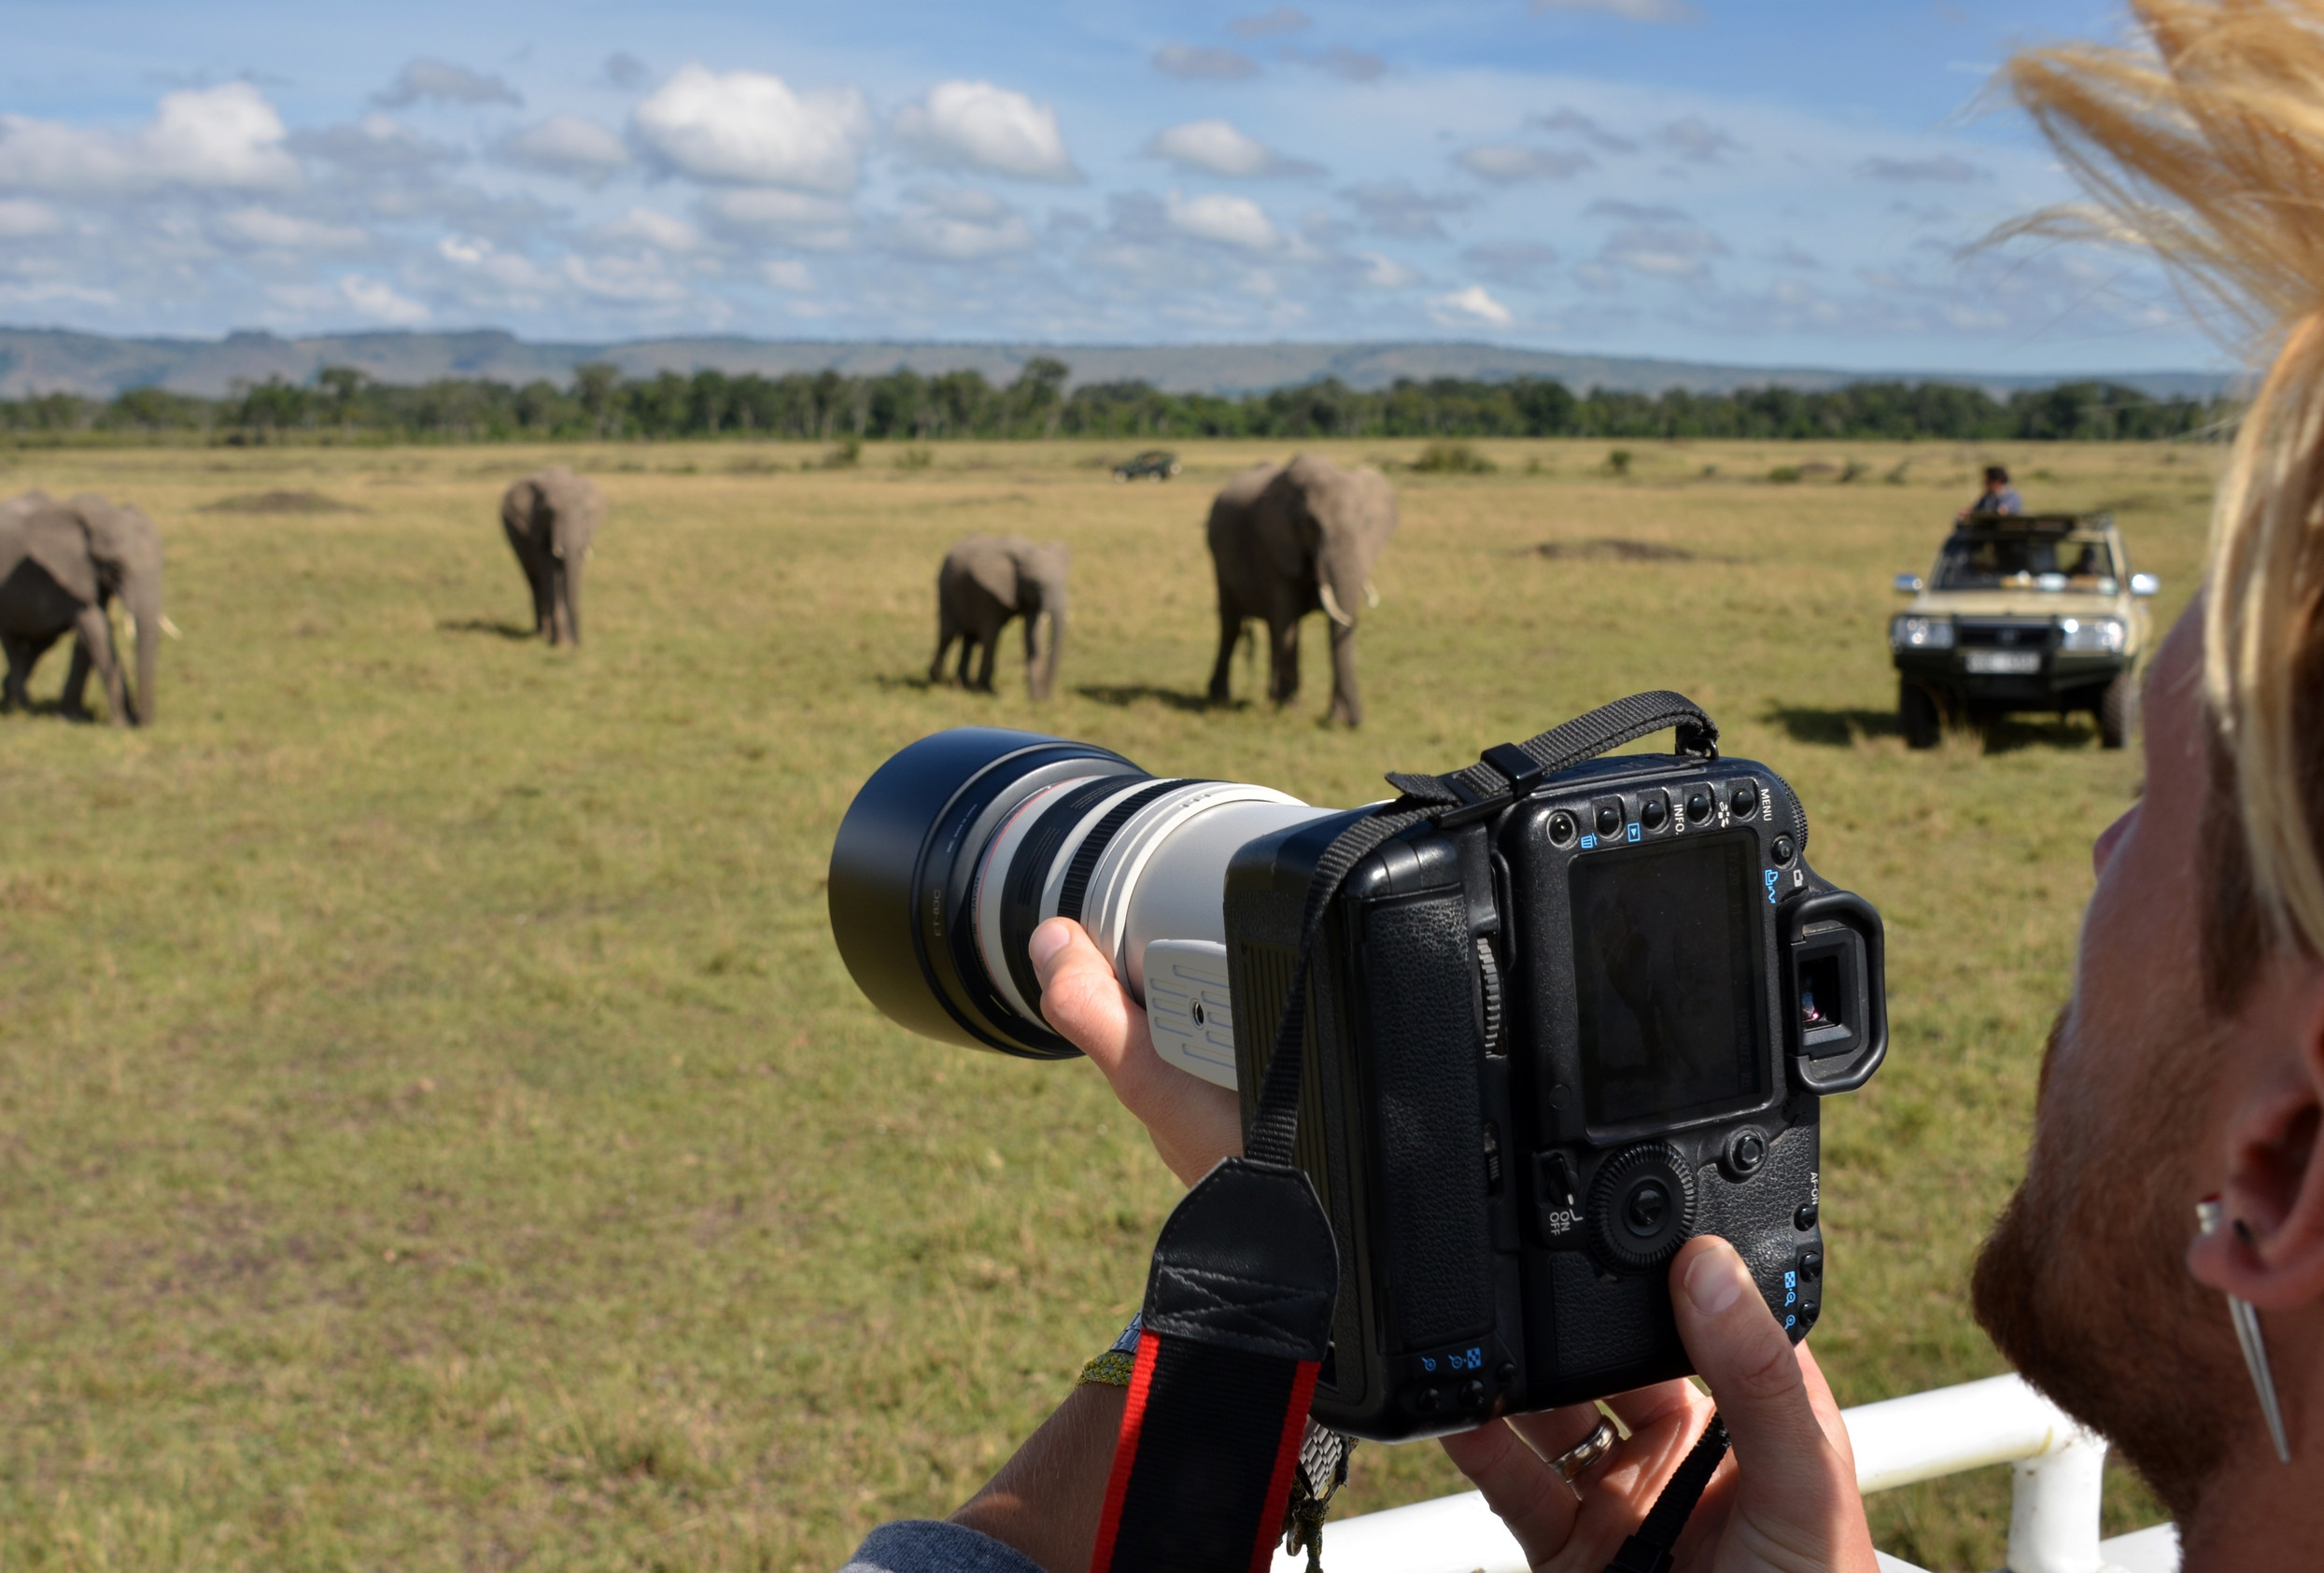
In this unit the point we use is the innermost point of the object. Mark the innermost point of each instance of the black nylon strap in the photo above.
(1274, 1123)
(1653, 1549)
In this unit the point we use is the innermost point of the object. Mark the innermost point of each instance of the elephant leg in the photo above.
(1345, 704)
(97, 635)
(1230, 629)
(74, 700)
(1283, 661)
(948, 629)
(19, 655)
(538, 579)
(988, 649)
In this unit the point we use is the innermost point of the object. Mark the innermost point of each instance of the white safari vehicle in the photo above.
(2033, 612)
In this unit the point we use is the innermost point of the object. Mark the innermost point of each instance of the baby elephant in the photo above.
(989, 579)
(551, 517)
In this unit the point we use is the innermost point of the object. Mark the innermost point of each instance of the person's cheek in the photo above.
(2102, 851)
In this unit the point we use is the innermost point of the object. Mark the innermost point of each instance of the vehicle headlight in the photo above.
(1921, 633)
(2093, 636)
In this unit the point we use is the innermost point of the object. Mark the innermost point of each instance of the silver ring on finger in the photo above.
(1576, 1460)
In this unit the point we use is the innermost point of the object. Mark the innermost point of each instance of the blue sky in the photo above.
(1780, 182)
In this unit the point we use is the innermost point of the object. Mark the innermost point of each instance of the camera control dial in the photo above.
(1642, 1207)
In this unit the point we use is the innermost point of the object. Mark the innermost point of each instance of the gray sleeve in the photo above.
(925, 1546)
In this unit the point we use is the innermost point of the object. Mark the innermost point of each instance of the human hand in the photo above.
(1194, 1124)
(1784, 1500)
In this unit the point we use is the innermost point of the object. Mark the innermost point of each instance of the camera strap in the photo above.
(1245, 1275)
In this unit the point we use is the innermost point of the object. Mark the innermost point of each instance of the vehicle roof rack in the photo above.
(2036, 524)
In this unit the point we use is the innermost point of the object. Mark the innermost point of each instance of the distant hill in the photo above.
(54, 360)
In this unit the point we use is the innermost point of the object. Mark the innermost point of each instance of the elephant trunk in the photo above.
(141, 595)
(1340, 581)
(1045, 676)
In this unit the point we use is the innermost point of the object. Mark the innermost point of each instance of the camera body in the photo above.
(1546, 1048)
(1549, 1037)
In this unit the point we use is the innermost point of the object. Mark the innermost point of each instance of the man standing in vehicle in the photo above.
(1998, 498)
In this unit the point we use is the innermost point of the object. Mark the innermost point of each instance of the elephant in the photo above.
(1287, 539)
(60, 565)
(987, 580)
(551, 517)
(128, 548)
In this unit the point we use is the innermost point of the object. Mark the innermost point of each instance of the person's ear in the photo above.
(2271, 1252)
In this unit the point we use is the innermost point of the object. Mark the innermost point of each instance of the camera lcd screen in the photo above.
(1666, 954)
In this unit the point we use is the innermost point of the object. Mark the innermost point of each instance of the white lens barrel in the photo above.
(1162, 873)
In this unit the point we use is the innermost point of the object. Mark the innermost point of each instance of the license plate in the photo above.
(2003, 663)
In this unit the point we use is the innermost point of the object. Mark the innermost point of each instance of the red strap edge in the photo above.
(1126, 1451)
(1286, 1460)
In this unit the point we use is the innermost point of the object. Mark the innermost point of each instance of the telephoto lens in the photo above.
(967, 841)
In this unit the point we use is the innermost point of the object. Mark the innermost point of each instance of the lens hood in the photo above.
(902, 872)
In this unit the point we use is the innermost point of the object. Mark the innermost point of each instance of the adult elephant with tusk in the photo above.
(552, 518)
(986, 580)
(127, 546)
(1287, 539)
(60, 565)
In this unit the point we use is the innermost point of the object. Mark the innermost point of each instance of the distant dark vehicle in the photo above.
(1155, 464)
(2037, 611)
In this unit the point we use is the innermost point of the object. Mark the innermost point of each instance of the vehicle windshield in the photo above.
(1997, 560)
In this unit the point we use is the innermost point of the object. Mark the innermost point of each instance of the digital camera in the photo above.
(1546, 1045)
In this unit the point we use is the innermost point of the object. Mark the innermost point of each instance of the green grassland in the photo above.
(436, 1130)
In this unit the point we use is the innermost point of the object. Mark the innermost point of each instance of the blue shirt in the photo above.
(925, 1546)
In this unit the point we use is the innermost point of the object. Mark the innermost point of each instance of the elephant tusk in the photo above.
(1331, 605)
(1371, 597)
(171, 629)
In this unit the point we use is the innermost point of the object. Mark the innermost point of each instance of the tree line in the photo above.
(344, 404)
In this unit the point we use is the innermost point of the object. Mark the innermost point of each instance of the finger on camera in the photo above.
(1524, 1491)
(1751, 1368)
(1081, 997)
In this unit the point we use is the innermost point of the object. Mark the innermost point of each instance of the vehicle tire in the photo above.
(2118, 710)
(1918, 717)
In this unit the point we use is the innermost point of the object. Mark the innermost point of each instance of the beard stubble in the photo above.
(2081, 1284)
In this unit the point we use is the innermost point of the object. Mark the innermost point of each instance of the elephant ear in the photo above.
(56, 538)
(996, 573)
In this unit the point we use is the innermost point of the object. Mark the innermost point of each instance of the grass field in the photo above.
(436, 1130)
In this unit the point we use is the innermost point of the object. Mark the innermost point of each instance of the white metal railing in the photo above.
(2053, 1506)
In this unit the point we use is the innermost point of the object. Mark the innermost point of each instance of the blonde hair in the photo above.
(2206, 147)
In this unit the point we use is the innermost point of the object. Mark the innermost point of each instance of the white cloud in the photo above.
(977, 125)
(747, 128)
(221, 138)
(960, 226)
(1509, 162)
(792, 217)
(1224, 220)
(22, 220)
(1629, 10)
(1697, 140)
(1468, 307)
(625, 280)
(1944, 169)
(377, 144)
(1194, 62)
(513, 278)
(1386, 272)
(1217, 147)
(570, 146)
(266, 229)
(380, 300)
(788, 273)
(1397, 207)
(1283, 19)
(645, 226)
(443, 82)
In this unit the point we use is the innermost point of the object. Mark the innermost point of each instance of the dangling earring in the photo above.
(2246, 1319)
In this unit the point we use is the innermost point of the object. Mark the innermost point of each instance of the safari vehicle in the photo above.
(2026, 611)
(1155, 464)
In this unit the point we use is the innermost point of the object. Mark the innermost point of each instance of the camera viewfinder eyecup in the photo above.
(1835, 991)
